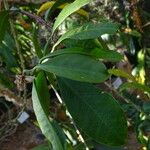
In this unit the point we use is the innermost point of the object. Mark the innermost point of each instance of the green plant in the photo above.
(92, 110)
(71, 66)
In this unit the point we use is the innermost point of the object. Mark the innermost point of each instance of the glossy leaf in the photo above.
(89, 31)
(45, 6)
(96, 113)
(4, 23)
(40, 98)
(68, 10)
(76, 67)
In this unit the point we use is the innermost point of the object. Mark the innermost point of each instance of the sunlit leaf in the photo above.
(121, 73)
(45, 6)
(68, 10)
(50, 4)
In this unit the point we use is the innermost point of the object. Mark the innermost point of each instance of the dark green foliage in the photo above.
(4, 23)
(96, 113)
(69, 65)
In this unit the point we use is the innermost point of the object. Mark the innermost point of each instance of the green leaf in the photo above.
(89, 31)
(75, 50)
(6, 51)
(76, 67)
(5, 81)
(134, 85)
(135, 33)
(108, 55)
(4, 23)
(40, 98)
(146, 107)
(95, 53)
(56, 5)
(121, 73)
(86, 44)
(68, 10)
(60, 134)
(96, 113)
(36, 44)
(42, 147)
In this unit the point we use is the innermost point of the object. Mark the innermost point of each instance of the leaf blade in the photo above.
(121, 73)
(41, 111)
(4, 23)
(94, 112)
(68, 10)
(89, 31)
(76, 67)
(108, 55)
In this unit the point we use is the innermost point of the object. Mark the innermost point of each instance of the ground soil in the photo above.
(26, 137)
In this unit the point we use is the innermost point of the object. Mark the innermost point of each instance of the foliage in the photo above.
(73, 62)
